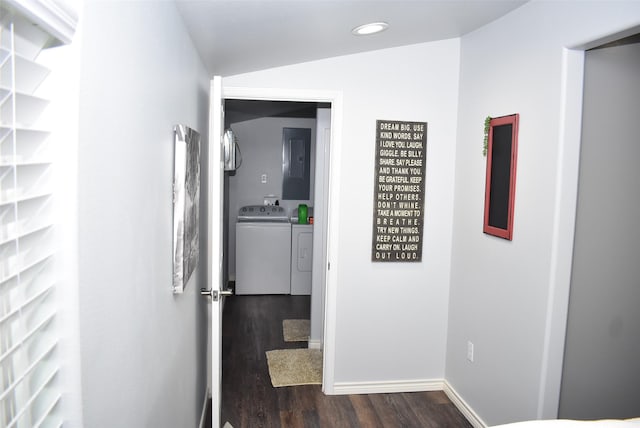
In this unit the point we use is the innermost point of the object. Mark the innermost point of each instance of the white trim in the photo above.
(280, 94)
(203, 414)
(315, 344)
(332, 256)
(388, 386)
(57, 21)
(566, 198)
(464, 408)
(335, 98)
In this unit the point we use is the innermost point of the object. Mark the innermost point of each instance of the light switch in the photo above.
(263, 178)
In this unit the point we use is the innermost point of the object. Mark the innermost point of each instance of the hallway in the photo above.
(253, 325)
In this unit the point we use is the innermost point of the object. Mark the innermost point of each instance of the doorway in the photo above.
(601, 364)
(258, 127)
(327, 104)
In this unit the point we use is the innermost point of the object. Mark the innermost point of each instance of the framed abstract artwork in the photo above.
(186, 205)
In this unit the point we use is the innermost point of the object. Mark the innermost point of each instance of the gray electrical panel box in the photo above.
(296, 163)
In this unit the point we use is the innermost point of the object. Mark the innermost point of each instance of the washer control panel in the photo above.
(263, 213)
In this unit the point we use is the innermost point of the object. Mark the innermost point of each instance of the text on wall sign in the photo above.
(398, 214)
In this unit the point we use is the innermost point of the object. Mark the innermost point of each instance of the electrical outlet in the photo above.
(263, 178)
(470, 351)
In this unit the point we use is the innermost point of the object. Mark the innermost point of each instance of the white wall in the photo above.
(260, 142)
(391, 318)
(142, 348)
(507, 297)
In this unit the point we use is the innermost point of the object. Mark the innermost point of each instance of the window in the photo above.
(29, 340)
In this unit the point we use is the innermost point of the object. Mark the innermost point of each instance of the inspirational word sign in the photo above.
(399, 191)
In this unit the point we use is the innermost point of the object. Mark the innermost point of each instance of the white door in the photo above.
(217, 289)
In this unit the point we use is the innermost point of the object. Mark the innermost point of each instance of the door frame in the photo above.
(332, 221)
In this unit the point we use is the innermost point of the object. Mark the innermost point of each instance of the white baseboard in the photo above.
(315, 344)
(464, 408)
(385, 387)
(343, 388)
(203, 415)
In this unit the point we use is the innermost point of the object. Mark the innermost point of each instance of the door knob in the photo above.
(215, 295)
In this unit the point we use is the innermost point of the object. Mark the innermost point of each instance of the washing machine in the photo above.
(263, 250)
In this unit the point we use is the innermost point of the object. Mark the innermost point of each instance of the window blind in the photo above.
(29, 368)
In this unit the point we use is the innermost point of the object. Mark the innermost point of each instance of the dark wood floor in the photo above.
(253, 325)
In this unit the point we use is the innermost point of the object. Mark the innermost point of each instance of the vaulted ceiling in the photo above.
(239, 36)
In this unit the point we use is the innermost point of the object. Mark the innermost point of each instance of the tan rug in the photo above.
(290, 367)
(296, 330)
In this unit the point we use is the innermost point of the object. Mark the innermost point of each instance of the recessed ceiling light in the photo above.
(372, 28)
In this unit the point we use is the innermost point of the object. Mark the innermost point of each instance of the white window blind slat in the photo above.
(15, 266)
(27, 371)
(22, 231)
(5, 97)
(50, 421)
(30, 74)
(32, 412)
(27, 182)
(33, 146)
(25, 109)
(46, 420)
(17, 197)
(31, 408)
(36, 299)
(39, 333)
(35, 214)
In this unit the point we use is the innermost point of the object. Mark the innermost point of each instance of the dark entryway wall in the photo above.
(601, 370)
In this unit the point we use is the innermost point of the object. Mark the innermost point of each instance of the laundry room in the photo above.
(270, 197)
